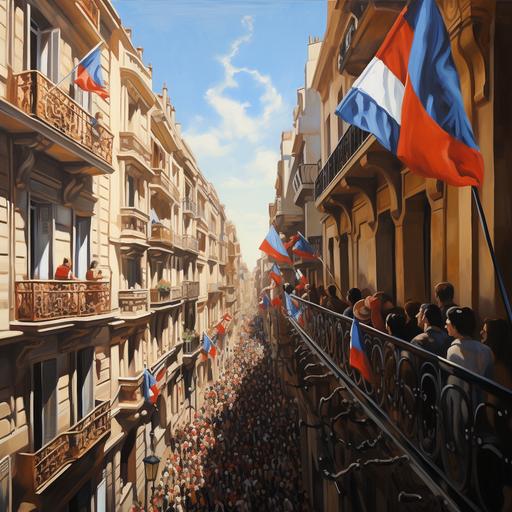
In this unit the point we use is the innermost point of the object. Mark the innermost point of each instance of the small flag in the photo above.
(150, 388)
(273, 246)
(89, 74)
(409, 98)
(294, 310)
(275, 274)
(208, 347)
(358, 358)
(303, 249)
(301, 278)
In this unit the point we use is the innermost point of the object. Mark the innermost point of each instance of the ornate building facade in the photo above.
(112, 181)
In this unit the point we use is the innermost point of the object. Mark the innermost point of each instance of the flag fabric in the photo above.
(89, 75)
(303, 249)
(150, 387)
(273, 246)
(265, 301)
(358, 358)
(301, 278)
(291, 241)
(277, 301)
(208, 347)
(294, 310)
(275, 274)
(213, 348)
(409, 97)
(220, 327)
(227, 317)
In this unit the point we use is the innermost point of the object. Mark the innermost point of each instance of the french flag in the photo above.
(89, 75)
(409, 97)
(303, 249)
(275, 274)
(273, 246)
(294, 310)
(208, 347)
(358, 358)
(150, 387)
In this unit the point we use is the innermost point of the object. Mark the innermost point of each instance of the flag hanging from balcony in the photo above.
(294, 310)
(150, 387)
(409, 97)
(275, 274)
(208, 347)
(358, 358)
(89, 76)
(273, 246)
(303, 249)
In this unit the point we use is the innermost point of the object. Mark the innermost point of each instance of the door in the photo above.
(82, 246)
(101, 496)
(45, 402)
(48, 53)
(40, 241)
(85, 381)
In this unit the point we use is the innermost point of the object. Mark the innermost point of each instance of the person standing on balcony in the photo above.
(444, 296)
(63, 272)
(434, 337)
(93, 274)
(411, 328)
(353, 295)
(333, 302)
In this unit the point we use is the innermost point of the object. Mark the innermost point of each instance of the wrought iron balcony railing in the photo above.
(41, 300)
(161, 233)
(455, 422)
(351, 141)
(159, 295)
(37, 96)
(40, 467)
(189, 207)
(133, 302)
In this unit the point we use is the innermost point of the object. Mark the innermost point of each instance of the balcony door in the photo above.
(41, 225)
(82, 246)
(45, 402)
(85, 381)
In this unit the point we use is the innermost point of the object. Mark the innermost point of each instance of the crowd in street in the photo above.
(441, 327)
(240, 452)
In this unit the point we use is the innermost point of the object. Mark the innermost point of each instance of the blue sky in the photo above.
(232, 68)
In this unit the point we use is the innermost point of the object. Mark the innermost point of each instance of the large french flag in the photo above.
(273, 246)
(303, 249)
(409, 97)
(357, 357)
(150, 387)
(89, 75)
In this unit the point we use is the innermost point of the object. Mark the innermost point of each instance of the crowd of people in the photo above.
(441, 327)
(240, 452)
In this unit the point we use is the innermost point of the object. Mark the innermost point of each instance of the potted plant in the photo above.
(163, 287)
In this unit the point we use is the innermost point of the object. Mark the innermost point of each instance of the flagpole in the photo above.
(497, 268)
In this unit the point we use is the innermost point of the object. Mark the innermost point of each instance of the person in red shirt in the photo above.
(63, 272)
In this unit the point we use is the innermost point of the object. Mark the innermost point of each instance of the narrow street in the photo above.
(241, 451)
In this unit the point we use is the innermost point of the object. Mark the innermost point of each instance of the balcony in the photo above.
(131, 398)
(133, 302)
(190, 289)
(43, 300)
(129, 143)
(133, 69)
(190, 243)
(201, 218)
(161, 234)
(40, 468)
(191, 348)
(304, 181)
(348, 145)
(454, 424)
(134, 224)
(161, 182)
(162, 296)
(189, 207)
(37, 96)
(214, 288)
(91, 10)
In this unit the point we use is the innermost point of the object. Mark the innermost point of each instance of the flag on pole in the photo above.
(303, 249)
(150, 388)
(273, 246)
(294, 310)
(89, 73)
(208, 347)
(275, 274)
(358, 358)
(409, 97)
(301, 278)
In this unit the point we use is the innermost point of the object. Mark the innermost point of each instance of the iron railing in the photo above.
(351, 141)
(455, 422)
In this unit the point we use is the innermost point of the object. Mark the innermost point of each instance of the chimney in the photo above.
(164, 96)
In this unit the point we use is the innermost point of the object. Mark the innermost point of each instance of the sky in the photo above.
(232, 68)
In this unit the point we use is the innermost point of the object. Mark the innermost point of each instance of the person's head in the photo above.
(395, 323)
(94, 264)
(386, 302)
(460, 322)
(353, 295)
(332, 290)
(444, 293)
(420, 316)
(321, 290)
(288, 288)
(411, 310)
(433, 316)
(495, 334)
(66, 262)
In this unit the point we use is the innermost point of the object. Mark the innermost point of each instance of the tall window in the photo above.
(41, 230)
(82, 245)
(327, 136)
(130, 190)
(85, 381)
(45, 402)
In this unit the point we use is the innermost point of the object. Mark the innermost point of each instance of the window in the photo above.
(128, 459)
(85, 381)
(45, 402)
(41, 230)
(132, 272)
(130, 190)
(82, 245)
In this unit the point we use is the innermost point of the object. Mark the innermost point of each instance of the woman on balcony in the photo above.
(63, 272)
(93, 274)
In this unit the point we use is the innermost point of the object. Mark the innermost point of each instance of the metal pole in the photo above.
(497, 268)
